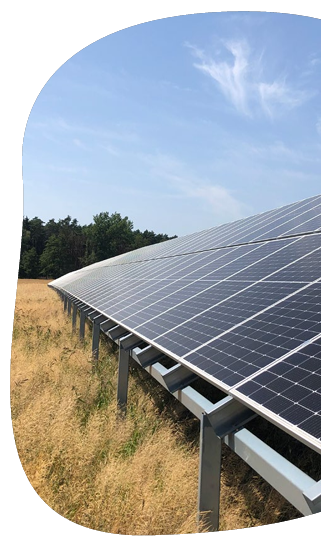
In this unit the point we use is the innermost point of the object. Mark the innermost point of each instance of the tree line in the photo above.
(55, 248)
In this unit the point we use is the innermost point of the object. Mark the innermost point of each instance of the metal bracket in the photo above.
(178, 377)
(98, 318)
(106, 325)
(93, 314)
(313, 497)
(228, 416)
(117, 332)
(149, 356)
(130, 342)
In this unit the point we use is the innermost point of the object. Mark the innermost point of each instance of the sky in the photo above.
(180, 124)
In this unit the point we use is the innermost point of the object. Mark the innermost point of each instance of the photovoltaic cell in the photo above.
(290, 390)
(238, 304)
(261, 340)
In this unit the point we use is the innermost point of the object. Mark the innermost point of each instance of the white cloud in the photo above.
(80, 144)
(214, 195)
(241, 81)
(220, 199)
(111, 149)
(232, 79)
(278, 94)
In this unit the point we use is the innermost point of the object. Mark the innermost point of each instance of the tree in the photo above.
(56, 248)
(110, 235)
(37, 234)
(29, 264)
(52, 260)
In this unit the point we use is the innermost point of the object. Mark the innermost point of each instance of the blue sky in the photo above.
(180, 124)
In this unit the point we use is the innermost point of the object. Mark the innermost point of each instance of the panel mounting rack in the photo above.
(222, 422)
(238, 306)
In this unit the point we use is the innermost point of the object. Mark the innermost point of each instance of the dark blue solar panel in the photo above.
(231, 302)
(291, 389)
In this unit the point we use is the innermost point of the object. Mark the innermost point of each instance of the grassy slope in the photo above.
(130, 476)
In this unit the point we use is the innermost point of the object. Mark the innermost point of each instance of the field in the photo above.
(136, 475)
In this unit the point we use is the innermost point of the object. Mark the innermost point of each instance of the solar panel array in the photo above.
(239, 304)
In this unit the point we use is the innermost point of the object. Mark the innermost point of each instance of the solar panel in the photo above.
(290, 391)
(234, 303)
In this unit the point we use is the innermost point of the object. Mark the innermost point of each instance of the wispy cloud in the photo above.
(279, 94)
(79, 144)
(112, 150)
(231, 78)
(241, 81)
(120, 132)
(214, 195)
(66, 169)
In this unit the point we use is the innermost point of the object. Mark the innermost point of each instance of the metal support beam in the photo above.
(92, 314)
(209, 478)
(95, 340)
(226, 416)
(65, 301)
(313, 497)
(107, 325)
(69, 306)
(98, 318)
(86, 309)
(148, 356)
(74, 317)
(122, 386)
(178, 377)
(229, 415)
(82, 324)
(130, 342)
(281, 474)
(117, 332)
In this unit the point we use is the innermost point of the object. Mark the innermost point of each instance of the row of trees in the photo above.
(55, 248)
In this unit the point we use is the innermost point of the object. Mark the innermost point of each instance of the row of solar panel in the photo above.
(182, 316)
(228, 314)
(292, 219)
(140, 292)
(301, 217)
(297, 218)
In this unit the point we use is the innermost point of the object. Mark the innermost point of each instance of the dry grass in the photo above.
(129, 476)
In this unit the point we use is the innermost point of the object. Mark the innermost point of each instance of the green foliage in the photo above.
(57, 248)
(29, 264)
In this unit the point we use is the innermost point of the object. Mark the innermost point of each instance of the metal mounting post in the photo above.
(74, 317)
(65, 302)
(122, 386)
(226, 417)
(95, 340)
(82, 323)
(209, 476)
(69, 306)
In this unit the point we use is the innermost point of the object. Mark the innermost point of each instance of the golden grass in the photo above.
(136, 475)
